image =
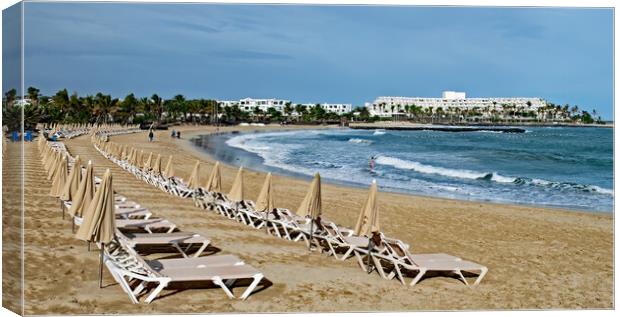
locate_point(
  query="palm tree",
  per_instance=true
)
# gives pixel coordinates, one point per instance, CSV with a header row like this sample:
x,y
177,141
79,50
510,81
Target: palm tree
x,y
33,95
10,97
61,101
181,105
88,103
574,110
129,108
158,106
288,109
257,113
105,106
12,117
300,110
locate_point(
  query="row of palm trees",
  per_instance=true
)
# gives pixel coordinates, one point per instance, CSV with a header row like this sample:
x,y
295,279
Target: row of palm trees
x,y
102,108
63,107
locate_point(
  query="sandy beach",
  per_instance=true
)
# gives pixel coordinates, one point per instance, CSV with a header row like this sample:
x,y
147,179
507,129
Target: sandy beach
x,y
537,258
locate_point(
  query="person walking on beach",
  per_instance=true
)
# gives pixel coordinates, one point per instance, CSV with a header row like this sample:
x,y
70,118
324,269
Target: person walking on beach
x,y
178,134
150,135
172,134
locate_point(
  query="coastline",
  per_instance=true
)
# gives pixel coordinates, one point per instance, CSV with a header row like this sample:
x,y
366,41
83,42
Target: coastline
x,y
537,258
236,130
405,124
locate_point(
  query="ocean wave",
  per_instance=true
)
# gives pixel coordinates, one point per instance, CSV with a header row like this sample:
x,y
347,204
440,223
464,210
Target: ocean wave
x,y
360,141
379,132
489,176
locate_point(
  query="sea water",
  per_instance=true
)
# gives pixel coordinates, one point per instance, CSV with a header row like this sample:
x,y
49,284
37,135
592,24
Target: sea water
x,y
546,166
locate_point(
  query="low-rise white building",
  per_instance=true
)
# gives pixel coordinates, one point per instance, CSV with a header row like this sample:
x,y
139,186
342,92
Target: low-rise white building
x,y
248,104
389,106
339,108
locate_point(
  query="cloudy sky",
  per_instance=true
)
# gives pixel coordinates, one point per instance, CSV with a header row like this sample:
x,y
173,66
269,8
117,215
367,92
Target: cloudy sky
x,y
320,53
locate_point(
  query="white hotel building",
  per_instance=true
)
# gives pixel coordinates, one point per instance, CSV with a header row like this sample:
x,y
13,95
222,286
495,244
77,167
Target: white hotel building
x,y
382,106
248,104
339,108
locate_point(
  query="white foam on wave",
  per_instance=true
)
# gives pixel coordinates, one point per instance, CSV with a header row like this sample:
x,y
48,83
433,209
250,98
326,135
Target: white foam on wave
x,y
273,154
602,190
502,179
495,177
379,132
360,141
428,169
489,131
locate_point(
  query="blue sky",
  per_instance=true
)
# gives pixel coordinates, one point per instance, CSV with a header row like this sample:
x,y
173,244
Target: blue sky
x,y
321,53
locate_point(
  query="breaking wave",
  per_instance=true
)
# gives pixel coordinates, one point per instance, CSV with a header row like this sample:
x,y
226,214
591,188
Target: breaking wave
x,y
488,176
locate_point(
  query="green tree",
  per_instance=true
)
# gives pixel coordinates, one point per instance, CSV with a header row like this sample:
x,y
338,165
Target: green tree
x,y
300,109
258,113
61,101
180,105
10,97
288,109
33,95
157,106
128,108
274,114
105,107
317,112
12,117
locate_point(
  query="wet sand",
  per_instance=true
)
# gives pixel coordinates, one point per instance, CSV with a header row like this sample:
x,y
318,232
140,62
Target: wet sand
x,y
537,258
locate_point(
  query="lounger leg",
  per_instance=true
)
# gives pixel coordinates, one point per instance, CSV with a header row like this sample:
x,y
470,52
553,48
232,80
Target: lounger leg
x,y
248,291
171,228
230,283
399,274
260,225
360,261
277,231
332,251
460,274
156,292
139,288
483,272
346,255
202,248
417,278
176,246
379,267
218,281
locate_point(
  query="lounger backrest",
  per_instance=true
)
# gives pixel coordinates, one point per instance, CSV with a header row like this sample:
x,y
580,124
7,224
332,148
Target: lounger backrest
x,y
332,230
145,267
398,250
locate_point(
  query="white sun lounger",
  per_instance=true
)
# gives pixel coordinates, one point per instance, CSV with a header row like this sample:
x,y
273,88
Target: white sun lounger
x,y
221,272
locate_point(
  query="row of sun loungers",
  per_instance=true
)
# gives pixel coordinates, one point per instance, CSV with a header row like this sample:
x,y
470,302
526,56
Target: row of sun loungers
x,y
139,233
390,257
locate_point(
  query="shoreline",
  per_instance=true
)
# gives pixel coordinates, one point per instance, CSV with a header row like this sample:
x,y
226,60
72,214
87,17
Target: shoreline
x,y
537,258
286,174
